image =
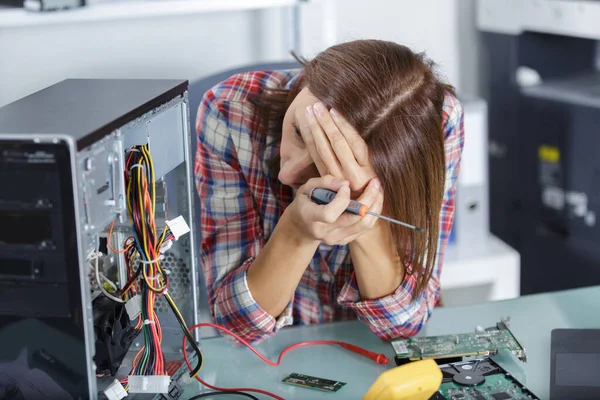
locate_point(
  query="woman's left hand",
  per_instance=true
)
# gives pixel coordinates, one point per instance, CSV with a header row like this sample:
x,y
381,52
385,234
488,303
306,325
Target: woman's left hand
x,y
337,148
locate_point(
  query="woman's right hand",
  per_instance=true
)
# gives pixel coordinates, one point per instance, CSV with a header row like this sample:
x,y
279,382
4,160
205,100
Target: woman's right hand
x,y
313,222
329,223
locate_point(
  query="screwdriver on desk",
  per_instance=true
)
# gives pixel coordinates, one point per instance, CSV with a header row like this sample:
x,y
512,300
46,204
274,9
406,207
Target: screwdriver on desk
x,y
325,196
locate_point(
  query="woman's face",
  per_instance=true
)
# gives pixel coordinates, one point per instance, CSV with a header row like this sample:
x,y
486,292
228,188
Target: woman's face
x,y
296,166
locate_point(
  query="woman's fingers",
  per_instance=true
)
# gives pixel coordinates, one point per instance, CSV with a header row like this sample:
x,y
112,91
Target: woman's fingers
x,y
308,139
332,211
371,193
372,197
353,139
335,140
321,145
326,182
328,213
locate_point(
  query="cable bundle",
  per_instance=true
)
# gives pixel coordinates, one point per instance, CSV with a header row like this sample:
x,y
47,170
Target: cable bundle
x,y
142,253
141,197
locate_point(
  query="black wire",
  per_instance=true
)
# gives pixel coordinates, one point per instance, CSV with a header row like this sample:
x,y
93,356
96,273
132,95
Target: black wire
x,y
190,339
134,277
200,396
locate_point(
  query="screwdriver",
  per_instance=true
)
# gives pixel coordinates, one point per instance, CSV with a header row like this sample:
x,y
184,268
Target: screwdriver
x,y
325,196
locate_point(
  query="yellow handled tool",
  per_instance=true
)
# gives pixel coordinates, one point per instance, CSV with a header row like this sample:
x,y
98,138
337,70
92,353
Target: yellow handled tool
x,y
417,380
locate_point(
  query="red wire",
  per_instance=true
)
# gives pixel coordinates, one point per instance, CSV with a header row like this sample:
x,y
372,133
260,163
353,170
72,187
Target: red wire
x,y
379,358
187,361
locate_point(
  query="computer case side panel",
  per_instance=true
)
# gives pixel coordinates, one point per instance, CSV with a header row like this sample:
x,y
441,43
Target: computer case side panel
x,y
44,294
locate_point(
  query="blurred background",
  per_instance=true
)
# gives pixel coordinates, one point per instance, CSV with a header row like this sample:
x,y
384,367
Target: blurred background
x,y
524,69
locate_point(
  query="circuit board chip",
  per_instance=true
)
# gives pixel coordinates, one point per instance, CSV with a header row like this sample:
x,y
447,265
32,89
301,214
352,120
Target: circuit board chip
x,y
313,382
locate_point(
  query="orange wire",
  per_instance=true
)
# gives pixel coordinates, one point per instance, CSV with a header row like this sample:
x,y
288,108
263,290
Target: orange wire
x,y
136,359
110,232
156,333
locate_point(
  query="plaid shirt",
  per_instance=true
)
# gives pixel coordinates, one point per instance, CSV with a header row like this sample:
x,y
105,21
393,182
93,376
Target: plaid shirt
x,y
242,202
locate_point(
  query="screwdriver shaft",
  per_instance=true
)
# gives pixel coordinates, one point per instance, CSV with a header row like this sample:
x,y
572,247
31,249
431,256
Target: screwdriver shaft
x,y
395,221
325,196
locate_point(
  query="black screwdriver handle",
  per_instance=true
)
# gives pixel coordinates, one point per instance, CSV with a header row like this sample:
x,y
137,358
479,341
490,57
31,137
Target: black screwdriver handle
x,y
325,196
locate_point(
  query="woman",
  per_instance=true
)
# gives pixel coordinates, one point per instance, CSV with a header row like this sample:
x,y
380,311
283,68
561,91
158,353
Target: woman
x,y
368,119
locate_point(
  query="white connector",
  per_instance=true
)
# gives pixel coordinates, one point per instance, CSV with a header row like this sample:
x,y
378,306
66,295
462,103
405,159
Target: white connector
x,y
149,383
178,227
115,391
185,379
165,246
134,307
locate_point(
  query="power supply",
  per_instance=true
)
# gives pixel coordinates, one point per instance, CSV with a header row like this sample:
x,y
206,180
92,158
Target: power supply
x,y
96,200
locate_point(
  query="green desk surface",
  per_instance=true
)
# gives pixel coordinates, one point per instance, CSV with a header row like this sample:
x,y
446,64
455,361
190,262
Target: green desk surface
x,y
532,319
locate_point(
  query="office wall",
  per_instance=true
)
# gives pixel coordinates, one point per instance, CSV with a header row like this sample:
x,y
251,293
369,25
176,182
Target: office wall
x,y
197,45
190,47
444,29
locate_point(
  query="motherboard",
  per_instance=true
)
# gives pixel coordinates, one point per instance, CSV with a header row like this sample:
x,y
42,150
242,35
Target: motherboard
x,y
482,342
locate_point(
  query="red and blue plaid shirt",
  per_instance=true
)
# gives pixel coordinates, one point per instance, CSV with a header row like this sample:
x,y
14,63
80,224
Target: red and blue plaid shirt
x,y
242,202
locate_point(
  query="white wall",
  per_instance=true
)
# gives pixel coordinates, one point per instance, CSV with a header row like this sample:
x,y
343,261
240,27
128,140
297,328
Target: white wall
x,y
471,66
193,46
444,29
185,47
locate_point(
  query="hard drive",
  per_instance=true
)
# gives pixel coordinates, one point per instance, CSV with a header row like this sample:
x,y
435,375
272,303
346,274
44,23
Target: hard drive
x,y
480,379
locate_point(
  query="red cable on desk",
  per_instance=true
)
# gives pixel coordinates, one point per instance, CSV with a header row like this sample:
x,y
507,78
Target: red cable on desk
x,y
379,358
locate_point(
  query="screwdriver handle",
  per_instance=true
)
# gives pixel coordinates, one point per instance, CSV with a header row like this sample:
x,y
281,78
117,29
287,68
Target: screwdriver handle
x,y
325,196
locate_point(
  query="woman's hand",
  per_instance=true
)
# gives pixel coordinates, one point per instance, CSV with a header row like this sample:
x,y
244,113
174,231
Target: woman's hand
x,y
330,223
337,148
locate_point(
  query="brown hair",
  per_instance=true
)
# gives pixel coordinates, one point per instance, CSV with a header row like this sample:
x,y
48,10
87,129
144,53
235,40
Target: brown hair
x,y
394,99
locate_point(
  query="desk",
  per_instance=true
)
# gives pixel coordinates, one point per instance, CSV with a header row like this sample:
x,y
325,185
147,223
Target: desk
x,y
532,319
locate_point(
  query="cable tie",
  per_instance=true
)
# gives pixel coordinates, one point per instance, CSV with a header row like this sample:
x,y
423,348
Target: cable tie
x,y
142,166
130,150
159,258
148,322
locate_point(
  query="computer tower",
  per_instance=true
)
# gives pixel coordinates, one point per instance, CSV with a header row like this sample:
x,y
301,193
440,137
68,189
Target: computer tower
x,y
63,204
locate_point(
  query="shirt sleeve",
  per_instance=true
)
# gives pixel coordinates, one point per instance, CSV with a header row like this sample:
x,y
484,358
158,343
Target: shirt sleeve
x,y
230,222
398,315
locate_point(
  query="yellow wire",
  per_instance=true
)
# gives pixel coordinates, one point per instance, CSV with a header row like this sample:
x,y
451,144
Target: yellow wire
x,y
151,166
161,239
160,279
142,215
129,209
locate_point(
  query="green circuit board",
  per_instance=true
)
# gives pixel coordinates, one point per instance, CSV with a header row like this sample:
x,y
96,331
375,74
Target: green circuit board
x,y
486,342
